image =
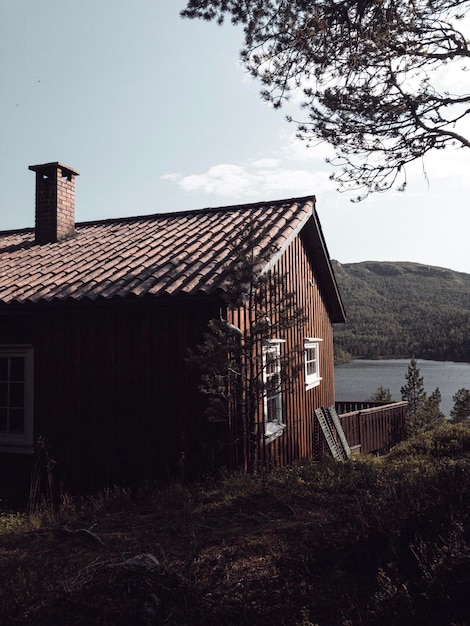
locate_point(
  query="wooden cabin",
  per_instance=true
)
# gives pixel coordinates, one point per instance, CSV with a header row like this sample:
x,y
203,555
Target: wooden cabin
x,y
96,322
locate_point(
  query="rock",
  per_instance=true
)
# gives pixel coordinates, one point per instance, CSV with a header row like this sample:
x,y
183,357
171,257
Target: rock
x,y
144,562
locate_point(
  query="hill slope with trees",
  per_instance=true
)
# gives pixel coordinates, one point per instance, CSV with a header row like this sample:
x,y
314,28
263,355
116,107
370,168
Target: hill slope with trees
x,y
396,310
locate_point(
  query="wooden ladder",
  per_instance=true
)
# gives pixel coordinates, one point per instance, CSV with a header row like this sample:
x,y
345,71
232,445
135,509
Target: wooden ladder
x,y
340,431
329,422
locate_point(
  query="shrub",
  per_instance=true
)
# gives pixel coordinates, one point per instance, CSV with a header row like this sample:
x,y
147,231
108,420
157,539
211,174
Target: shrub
x,y
449,440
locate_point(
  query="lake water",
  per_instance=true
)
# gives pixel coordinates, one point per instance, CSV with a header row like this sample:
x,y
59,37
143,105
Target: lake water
x,y
359,379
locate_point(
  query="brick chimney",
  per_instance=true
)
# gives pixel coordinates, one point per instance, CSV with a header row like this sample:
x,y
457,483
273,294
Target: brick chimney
x,y
55,202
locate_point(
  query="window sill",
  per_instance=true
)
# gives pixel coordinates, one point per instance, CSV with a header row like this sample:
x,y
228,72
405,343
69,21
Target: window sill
x,y
313,383
273,431
16,448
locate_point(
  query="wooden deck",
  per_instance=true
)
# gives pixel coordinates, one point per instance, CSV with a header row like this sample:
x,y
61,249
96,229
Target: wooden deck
x,y
374,426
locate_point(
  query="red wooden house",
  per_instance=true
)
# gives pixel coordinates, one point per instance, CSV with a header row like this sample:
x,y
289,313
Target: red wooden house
x,y
96,322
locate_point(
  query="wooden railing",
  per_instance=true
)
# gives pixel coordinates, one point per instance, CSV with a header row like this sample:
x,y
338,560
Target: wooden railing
x,y
374,426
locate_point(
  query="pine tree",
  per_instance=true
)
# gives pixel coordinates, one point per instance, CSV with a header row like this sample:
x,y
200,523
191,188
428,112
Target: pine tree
x,y
432,414
381,394
461,409
368,75
413,392
230,360
423,411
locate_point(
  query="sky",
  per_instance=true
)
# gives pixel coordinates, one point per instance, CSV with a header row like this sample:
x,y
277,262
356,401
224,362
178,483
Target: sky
x,y
158,115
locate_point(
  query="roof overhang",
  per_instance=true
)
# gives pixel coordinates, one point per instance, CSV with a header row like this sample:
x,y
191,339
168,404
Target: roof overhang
x,y
314,241
310,231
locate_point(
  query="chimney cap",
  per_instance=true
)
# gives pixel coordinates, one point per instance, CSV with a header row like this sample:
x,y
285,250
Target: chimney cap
x,y
44,167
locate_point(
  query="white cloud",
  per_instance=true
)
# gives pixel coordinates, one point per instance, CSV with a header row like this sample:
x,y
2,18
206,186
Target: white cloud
x,y
224,179
296,150
296,170
449,165
292,170
261,178
266,163
171,177
445,170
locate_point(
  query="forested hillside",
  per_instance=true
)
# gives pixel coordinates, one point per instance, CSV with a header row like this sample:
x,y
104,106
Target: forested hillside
x,y
395,310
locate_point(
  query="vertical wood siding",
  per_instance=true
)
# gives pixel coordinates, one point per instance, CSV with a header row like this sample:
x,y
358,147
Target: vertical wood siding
x,y
113,395
301,439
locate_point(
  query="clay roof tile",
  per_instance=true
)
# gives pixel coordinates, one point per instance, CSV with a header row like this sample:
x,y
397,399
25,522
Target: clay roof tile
x,y
171,253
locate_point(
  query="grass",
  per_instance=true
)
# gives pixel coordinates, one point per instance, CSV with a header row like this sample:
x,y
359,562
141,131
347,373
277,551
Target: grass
x,y
372,541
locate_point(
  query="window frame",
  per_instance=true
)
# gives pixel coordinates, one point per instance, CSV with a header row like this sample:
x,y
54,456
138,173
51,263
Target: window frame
x,y
274,427
312,379
21,442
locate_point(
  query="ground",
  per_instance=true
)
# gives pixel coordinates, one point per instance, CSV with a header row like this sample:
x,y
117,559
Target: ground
x,y
326,544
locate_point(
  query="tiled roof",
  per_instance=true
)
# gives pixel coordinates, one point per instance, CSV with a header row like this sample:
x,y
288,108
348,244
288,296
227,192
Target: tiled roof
x,y
164,254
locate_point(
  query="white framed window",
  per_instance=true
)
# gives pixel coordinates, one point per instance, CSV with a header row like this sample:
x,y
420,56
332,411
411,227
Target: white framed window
x,y
16,398
312,362
272,395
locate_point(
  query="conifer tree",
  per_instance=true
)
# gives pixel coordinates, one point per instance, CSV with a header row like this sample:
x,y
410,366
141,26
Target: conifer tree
x,y
432,414
230,359
382,394
423,411
461,409
413,392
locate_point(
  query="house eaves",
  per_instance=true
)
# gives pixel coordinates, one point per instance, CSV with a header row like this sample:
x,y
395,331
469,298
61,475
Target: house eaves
x,y
176,254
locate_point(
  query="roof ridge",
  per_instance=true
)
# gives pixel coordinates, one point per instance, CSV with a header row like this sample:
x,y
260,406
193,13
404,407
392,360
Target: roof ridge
x,y
17,231
190,212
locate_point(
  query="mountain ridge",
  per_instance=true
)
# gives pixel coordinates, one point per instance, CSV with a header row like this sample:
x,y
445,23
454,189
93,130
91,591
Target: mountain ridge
x,y
400,309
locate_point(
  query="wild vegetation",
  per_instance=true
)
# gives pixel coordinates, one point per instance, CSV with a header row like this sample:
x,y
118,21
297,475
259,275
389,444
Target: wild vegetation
x,y
370,541
396,310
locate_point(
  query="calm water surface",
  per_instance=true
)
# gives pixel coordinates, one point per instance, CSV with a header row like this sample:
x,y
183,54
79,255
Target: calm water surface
x,y
358,380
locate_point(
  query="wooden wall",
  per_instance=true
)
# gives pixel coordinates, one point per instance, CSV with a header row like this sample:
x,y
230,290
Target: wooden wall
x,y
113,395
301,439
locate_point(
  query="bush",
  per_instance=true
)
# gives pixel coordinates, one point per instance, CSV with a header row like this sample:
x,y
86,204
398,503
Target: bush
x,y
369,541
450,440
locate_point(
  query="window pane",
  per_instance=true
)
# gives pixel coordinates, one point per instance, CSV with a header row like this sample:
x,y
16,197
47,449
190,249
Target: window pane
x,y
311,363
15,414
17,395
311,368
4,368
272,404
272,385
16,421
274,409
17,368
3,420
3,394
271,363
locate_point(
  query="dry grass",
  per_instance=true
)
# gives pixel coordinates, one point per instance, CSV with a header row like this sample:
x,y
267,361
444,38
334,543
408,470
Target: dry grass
x,y
368,542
